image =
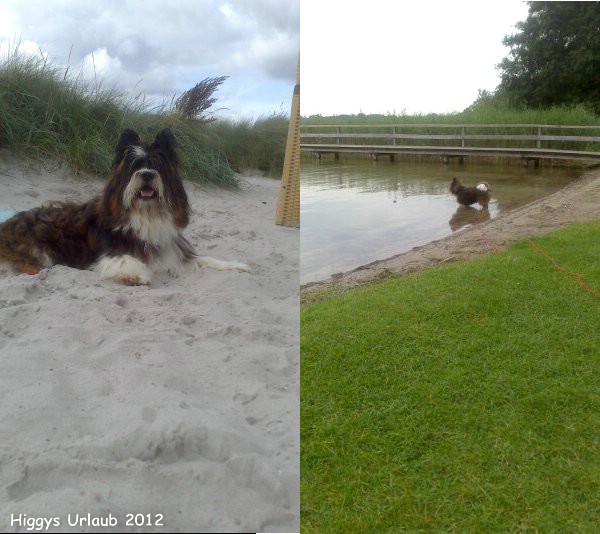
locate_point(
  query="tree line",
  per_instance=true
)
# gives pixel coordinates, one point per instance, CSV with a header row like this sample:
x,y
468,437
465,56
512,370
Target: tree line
x,y
554,57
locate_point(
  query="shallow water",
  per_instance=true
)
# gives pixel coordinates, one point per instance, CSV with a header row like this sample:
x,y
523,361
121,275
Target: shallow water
x,y
355,211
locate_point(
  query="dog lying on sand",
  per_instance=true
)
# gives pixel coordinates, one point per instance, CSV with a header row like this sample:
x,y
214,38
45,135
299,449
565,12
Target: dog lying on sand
x,y
131,230
470,195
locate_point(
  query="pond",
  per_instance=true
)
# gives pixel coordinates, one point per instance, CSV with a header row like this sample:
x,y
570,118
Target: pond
x,y
355,211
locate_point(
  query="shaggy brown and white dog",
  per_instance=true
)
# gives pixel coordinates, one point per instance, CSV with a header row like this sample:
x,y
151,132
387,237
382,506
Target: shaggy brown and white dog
x,y
470,195
129,231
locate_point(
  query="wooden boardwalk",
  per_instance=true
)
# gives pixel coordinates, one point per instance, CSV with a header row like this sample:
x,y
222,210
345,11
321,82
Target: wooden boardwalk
x,y
531,146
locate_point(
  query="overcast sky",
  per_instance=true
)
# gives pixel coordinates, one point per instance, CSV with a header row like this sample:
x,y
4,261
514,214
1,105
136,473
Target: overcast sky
x,y
381,56
161,48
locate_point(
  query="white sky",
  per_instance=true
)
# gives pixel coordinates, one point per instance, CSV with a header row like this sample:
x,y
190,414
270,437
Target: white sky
x,y
381,56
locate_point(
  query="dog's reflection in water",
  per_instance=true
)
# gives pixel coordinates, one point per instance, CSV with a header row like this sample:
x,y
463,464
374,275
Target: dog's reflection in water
x,y
467,215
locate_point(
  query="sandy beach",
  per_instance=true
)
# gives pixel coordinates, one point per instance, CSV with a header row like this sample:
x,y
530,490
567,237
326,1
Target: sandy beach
x,y
179,399
577,202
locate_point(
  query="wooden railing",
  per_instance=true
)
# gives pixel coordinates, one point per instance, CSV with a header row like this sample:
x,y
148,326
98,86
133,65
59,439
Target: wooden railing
x,y
525,140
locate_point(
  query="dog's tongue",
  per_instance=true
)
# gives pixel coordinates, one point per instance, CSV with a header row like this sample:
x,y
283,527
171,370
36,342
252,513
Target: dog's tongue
x,y
146,192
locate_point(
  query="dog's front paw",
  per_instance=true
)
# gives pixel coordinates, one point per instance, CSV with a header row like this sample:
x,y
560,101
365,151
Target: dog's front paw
x,y
134,280
125,269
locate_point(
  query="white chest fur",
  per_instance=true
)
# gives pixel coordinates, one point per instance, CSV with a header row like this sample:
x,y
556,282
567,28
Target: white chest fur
x,y
157,230
160,234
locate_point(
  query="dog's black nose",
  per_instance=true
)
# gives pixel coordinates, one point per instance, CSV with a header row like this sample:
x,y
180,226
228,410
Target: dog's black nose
x,y
146,175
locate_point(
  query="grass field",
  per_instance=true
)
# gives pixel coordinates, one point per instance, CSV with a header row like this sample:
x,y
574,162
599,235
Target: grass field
x,y
50,114
458,399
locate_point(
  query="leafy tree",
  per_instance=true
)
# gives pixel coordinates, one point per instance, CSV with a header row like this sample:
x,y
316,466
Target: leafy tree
x,y
555,57
195,102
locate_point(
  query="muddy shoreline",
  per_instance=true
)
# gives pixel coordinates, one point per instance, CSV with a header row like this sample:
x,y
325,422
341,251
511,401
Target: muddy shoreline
x,y
577,202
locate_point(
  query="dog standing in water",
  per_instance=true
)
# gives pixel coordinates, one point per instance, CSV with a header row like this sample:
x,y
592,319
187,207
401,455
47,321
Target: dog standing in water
x,y
470,195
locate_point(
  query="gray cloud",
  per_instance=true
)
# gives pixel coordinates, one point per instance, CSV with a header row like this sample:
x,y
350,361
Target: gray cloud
x,y
157,44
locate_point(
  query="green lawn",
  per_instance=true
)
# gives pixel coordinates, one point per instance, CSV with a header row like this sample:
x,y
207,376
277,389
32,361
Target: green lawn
x,y
462,398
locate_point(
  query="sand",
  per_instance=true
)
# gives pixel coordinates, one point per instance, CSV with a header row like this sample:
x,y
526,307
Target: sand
x,y
577,202
180,399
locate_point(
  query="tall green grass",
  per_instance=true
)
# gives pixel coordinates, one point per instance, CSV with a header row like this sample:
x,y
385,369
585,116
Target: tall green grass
x,y
48,113
256,144
482,111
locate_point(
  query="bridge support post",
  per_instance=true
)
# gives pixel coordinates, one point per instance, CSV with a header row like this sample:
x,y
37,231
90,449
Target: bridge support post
x,y
536,162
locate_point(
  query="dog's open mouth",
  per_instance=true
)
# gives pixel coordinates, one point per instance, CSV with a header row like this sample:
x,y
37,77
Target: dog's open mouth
x,y
147,193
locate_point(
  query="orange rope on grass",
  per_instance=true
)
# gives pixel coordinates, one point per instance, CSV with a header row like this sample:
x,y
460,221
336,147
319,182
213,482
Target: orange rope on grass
x,y
576,276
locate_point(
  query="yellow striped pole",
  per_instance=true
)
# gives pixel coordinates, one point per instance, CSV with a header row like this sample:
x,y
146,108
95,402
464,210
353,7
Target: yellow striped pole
x,y
288,202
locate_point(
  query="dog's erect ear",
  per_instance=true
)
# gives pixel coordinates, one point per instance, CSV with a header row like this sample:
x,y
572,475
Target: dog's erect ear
x,y
165,142
454,185
128,138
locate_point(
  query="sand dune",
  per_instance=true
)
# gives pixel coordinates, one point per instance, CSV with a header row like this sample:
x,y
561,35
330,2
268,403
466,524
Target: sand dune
x,y
178,399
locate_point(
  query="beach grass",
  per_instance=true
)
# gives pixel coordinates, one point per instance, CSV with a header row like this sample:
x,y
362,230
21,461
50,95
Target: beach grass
x,y
258,144
463,398
53,114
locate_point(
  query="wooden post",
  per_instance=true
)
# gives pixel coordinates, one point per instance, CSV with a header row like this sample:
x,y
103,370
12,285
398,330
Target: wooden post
x,y
288,202
539,140
394,134
462,133
338,135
